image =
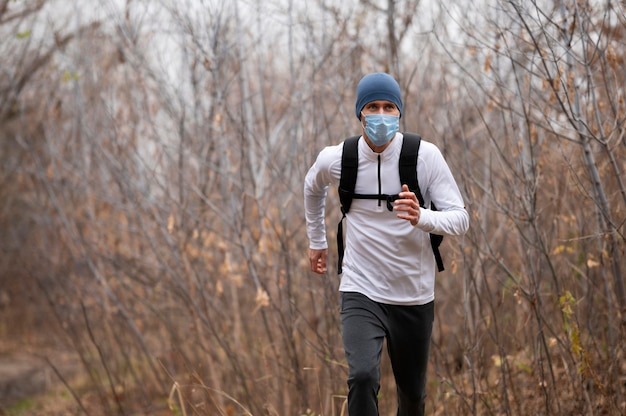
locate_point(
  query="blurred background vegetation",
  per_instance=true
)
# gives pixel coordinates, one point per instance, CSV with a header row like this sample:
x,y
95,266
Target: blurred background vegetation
x,y
152,156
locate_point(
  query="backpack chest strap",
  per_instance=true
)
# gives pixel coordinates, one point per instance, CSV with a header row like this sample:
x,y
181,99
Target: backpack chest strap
x,y
389,199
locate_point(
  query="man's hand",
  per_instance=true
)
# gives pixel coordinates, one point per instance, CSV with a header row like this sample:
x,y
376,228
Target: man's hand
x,y
317,258
407,206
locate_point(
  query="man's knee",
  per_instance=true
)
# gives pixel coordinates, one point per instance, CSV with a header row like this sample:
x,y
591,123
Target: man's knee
x,y
364,379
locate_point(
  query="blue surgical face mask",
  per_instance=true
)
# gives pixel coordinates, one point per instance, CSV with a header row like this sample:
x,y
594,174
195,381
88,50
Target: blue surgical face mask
x,y
381,128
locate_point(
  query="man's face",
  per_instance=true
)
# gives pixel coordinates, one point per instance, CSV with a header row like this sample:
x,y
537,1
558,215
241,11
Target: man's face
x,y
377,107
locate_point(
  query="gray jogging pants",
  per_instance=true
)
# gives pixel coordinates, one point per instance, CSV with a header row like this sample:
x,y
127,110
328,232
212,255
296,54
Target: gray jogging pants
x,y
364,326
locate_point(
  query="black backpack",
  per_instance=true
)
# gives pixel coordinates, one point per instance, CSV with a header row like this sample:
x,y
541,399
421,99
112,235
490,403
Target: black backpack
x,y
408,175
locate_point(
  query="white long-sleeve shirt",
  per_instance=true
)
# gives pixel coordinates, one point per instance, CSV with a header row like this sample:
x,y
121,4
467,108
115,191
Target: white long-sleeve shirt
x,y
386,258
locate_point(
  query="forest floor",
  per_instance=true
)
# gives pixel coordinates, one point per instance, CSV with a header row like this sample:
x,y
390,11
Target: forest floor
x,y
29,384
22,376
40,380
41,374
34,367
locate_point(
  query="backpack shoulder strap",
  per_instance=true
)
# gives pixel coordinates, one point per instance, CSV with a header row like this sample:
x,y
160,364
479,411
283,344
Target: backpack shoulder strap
x,y
408,175
408,164
349,169
347,183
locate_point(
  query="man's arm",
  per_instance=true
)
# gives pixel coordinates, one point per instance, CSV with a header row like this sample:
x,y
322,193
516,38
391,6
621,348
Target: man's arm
x,y
324,171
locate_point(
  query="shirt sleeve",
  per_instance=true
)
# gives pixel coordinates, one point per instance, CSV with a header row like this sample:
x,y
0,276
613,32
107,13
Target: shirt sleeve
x,y
451,217
324,172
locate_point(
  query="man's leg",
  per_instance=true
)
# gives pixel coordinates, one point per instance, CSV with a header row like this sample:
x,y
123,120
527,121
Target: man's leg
x,y
408,343
363,337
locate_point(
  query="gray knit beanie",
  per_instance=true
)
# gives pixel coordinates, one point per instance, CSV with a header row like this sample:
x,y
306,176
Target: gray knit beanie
x,y
377,86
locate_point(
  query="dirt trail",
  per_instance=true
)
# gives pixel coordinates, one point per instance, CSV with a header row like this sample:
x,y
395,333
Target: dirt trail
x,y
22,376
26,339
25,375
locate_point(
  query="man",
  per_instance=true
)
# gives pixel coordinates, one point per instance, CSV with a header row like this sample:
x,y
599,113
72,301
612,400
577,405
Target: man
x,y
388,280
